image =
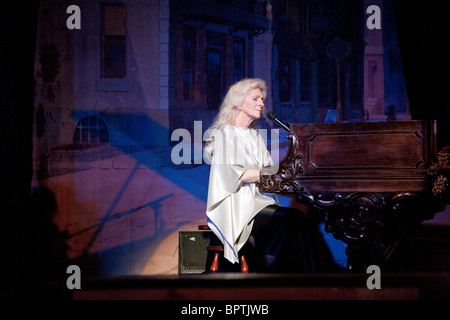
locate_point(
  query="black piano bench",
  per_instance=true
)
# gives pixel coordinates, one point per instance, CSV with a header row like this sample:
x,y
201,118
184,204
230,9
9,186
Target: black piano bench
x,y
216,250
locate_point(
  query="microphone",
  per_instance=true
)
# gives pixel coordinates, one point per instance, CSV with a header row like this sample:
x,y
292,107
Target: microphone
x,y
273,117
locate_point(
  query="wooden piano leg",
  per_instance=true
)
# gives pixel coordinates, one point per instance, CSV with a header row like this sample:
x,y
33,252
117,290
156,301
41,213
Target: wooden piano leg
x,y
244,266
215,263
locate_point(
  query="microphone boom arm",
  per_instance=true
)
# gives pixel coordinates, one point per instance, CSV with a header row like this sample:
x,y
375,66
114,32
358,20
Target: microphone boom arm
x,y
273,117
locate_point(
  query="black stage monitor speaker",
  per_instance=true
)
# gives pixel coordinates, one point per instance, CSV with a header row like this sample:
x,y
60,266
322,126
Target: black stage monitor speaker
x,y
192,253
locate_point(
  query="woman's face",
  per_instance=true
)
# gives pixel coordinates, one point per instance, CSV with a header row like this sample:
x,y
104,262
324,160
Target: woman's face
x,y
253,104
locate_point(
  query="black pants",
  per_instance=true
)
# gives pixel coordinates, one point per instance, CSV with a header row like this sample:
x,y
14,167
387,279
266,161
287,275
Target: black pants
x,y
281,242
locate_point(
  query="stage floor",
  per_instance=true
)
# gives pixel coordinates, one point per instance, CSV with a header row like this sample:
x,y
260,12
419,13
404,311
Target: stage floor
x,y
237,286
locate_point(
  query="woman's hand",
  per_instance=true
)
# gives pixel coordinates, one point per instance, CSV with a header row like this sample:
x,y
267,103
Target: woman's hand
x,y
251,176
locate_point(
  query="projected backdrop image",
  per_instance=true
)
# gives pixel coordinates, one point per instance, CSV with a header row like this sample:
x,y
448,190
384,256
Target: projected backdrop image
x,y
115,79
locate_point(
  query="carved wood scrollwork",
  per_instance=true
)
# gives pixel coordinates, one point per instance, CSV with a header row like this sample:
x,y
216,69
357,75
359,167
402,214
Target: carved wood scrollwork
x,y
282,177
373,224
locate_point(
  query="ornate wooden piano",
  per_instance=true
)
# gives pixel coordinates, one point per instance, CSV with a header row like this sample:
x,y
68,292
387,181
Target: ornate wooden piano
x,y
365,179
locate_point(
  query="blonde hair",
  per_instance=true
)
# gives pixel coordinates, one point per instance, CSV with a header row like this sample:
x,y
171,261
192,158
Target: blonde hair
x,y
229,107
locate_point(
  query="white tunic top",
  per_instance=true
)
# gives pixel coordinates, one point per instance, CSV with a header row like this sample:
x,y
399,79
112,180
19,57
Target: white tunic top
x,y
232,204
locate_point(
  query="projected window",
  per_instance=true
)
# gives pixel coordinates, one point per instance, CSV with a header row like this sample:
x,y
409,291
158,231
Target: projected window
x,y
188,62
214,69
239,58
305,81
91,130
285,80
114,41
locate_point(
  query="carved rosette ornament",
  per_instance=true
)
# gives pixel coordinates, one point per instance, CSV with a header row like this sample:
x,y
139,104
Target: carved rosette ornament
x,y
281,178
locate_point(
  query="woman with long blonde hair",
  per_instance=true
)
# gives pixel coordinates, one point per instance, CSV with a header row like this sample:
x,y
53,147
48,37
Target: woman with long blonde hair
x,y
237,211
229,108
